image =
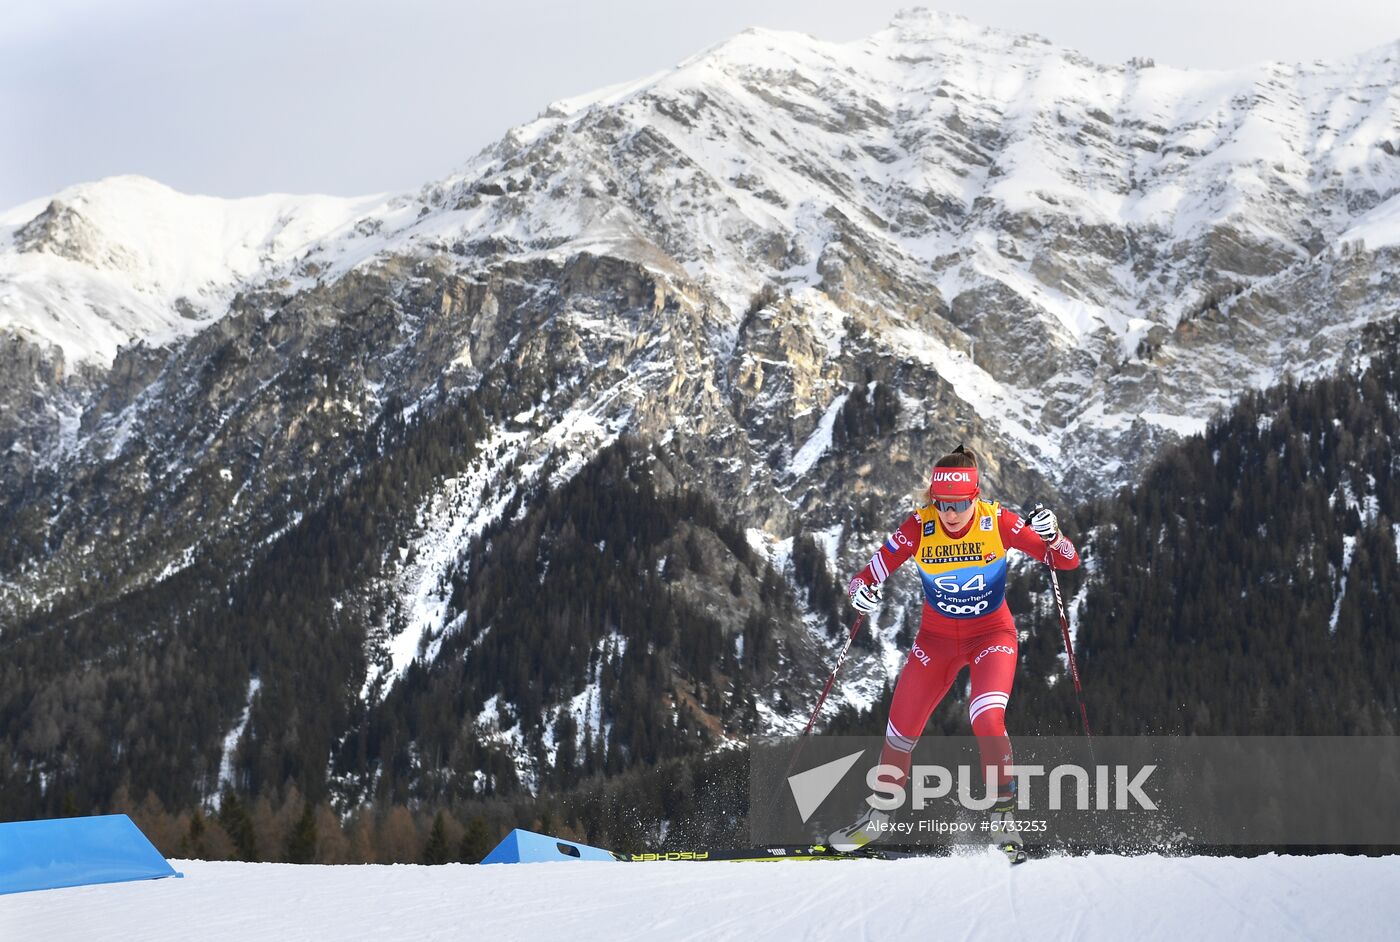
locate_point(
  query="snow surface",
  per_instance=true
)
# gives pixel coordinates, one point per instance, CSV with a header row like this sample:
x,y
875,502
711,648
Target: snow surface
x,y
231,741
1380,227
508,462
820,441
131,252
766,138
1348,549
1183,425
1218,147
973,897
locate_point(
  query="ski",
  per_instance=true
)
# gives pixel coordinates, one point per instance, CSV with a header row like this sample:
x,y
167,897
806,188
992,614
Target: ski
x,y
756,854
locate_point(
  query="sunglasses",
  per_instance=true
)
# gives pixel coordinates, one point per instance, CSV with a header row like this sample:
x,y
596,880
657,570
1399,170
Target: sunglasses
x,y
954,506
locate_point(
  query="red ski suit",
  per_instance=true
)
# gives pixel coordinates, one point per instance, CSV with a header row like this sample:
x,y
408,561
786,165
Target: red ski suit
x,y
966,621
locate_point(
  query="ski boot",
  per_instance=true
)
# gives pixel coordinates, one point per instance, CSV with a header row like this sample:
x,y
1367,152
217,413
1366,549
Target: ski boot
x,y
870,826
1005,837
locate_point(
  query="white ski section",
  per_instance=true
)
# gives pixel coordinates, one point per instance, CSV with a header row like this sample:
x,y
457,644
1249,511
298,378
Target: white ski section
x,y
121,257
969,898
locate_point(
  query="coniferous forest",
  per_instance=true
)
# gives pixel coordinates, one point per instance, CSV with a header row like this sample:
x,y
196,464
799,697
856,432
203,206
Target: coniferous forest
x,y
1243,586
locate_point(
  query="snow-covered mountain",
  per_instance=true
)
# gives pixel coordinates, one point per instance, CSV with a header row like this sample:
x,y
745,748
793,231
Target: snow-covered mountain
x,y
102,265
1092,257
800,269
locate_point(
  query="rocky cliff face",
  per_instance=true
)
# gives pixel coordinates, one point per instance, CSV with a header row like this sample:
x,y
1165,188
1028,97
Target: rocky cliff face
x,y
802,269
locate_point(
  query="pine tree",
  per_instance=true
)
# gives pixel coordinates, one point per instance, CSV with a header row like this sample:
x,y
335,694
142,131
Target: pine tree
x,y
435,851
301,843
237,823
476,841
192,845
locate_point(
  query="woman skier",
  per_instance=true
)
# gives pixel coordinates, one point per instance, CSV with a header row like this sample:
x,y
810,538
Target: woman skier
x,y
959,542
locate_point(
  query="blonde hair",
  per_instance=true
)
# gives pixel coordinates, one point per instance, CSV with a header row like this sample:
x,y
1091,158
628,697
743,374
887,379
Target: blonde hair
x,y
960,457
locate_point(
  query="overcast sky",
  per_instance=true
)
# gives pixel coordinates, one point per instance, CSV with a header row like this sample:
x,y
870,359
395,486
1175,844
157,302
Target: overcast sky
x,y
351,97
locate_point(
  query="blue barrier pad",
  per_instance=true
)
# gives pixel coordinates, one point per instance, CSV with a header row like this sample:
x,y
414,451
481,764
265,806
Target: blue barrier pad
x,y
522,846
45,855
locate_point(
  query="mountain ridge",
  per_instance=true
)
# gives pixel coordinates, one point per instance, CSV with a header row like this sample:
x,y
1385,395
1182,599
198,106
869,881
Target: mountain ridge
x,y
795,271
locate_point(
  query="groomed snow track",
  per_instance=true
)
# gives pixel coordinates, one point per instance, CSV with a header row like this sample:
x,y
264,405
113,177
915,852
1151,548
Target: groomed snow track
x,y
975,897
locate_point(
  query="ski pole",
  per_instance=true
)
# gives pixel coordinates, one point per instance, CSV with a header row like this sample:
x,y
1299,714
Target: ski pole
x,y
841,659
1069,645
802,740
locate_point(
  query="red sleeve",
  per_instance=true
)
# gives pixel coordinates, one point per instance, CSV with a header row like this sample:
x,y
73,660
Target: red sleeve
x,y
891,554
1016,534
